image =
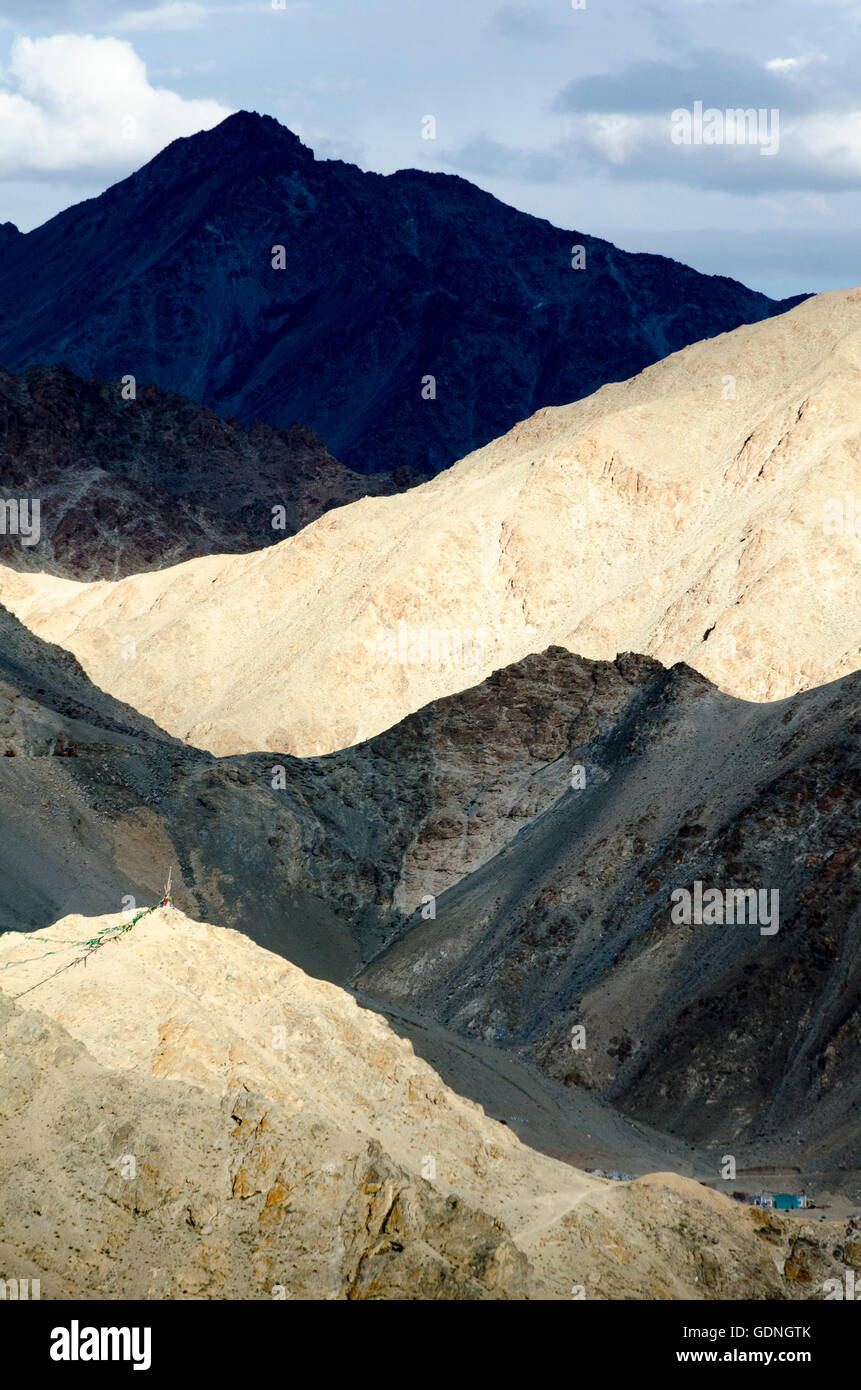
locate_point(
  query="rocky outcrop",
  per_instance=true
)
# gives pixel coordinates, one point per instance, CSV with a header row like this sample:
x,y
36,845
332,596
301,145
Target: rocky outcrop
x,y
703,1029
130,485
165,1188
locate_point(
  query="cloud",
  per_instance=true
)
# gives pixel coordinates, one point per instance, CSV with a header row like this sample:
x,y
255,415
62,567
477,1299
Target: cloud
x,y
174,16
77,105
521,22
484,157
816,155
783,261
794,64
177,15
620,123
50,11
157,16
714,78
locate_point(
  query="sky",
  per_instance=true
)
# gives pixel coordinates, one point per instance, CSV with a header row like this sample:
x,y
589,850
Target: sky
x,y
563,108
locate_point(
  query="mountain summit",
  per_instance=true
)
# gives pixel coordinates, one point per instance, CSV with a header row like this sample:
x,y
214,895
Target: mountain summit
x,y
387,282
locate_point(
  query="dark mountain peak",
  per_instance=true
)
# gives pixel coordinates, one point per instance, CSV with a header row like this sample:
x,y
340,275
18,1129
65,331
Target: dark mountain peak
x,y
241,146
247,130
8,232
249,125
409,319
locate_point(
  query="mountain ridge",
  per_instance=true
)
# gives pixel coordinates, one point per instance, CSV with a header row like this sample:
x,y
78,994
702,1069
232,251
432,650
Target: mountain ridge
x,y
210,1123
658,515
551,903
388,280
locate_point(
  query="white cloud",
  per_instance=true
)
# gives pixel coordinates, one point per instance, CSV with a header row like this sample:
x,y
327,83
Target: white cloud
x,y
617,137
176,15
74,103
789,65
818,153
180,14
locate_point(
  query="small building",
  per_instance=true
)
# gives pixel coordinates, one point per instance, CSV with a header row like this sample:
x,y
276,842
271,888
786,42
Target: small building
x,y
786,1201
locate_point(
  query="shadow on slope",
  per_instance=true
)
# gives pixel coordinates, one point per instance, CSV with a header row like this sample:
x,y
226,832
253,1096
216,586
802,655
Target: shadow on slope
x,y
552,904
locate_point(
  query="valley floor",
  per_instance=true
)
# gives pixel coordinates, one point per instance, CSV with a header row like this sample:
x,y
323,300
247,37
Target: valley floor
x,y
583,1130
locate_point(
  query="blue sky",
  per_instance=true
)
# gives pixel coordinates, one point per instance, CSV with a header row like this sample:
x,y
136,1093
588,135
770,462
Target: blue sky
x,y
560,111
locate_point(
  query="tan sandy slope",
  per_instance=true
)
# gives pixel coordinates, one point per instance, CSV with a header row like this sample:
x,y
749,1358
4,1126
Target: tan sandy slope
x,y
703,511
283,1136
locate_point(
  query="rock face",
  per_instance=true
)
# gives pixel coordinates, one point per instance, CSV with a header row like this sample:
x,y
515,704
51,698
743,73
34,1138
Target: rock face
x,y
126,486
643,782
656,516
498,900
386,281
190,1116
227,1155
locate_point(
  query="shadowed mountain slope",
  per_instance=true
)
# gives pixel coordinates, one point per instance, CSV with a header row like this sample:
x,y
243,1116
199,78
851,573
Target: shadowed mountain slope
x,y
169,276
570,923
552,904
126,486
